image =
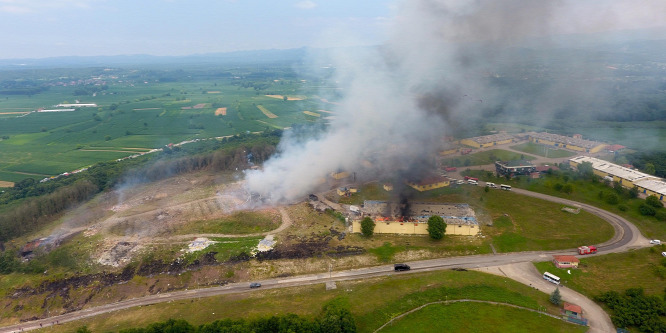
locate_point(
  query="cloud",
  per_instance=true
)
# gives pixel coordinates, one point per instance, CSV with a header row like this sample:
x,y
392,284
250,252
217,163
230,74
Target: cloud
x,y
307,4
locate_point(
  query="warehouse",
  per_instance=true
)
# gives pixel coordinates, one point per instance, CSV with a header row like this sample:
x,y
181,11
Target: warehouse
x,y
576,143
488,140
625,176
652,186
429,183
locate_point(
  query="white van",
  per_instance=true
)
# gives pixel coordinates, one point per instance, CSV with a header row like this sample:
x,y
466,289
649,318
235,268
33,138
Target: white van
x,y
472,182
491,185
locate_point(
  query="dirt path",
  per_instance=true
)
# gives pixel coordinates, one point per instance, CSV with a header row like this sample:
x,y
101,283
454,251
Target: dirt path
x,y
527,274
286,223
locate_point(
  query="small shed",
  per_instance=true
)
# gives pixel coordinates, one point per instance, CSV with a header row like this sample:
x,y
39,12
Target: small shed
x,y
565,261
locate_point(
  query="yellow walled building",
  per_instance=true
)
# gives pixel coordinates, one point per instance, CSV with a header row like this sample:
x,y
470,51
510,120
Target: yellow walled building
x,y
419,228
625,176
488,140
430,183
572,143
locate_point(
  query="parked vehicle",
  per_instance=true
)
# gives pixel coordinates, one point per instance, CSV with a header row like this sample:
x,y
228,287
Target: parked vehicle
x,y
655,242
587,249
551,278
450,169
460,182
663,254
401,267
505,187
472,182
255,285
471,178
491,185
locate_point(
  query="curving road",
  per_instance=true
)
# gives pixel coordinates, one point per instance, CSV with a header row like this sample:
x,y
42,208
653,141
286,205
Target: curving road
x,y
626,237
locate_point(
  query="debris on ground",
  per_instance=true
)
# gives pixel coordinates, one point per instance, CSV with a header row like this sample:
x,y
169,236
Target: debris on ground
x,y
266,244
199,244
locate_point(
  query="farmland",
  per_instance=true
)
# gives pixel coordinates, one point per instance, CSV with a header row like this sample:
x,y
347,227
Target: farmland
x,y
137,110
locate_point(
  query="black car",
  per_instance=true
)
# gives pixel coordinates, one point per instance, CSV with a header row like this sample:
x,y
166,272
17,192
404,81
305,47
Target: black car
x,y
401,267
255,285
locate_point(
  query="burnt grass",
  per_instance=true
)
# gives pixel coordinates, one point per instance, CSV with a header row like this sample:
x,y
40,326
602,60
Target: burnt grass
x,y
315,246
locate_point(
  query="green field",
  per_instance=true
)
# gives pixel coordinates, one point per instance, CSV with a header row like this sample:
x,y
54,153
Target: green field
x,y
614,272
478,317
373,301
542,150
485,157
238,223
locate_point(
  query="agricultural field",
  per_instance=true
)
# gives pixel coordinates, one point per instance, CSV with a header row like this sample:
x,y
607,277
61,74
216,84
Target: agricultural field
x,y
137,111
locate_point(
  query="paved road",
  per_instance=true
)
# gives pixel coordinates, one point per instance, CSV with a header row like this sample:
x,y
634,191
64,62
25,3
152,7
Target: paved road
x,y
627,237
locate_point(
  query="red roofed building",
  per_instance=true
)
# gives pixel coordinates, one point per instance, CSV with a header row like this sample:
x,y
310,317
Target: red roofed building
x,y
612,148
565,261
573,313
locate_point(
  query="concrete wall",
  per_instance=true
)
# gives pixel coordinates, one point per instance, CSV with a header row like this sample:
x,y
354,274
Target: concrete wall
x,y
411,228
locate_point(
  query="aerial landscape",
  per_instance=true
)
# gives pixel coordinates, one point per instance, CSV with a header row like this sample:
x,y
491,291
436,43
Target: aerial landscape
x,y
384,166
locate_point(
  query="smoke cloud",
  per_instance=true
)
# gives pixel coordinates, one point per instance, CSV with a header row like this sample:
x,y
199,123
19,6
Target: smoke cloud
x,y
431,77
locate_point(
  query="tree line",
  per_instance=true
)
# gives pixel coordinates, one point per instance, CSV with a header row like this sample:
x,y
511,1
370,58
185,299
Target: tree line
x,y
335,317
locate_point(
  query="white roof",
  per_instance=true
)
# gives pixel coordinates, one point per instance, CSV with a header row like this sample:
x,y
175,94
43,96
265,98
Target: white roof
x,y
654,185
613,169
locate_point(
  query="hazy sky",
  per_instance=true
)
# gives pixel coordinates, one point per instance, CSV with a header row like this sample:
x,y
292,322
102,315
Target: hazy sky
x,y
46,28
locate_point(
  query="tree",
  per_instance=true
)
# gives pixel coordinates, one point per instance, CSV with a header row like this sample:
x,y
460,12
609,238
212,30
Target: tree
x,y
367,226
436,227
586,170
555,297
649,168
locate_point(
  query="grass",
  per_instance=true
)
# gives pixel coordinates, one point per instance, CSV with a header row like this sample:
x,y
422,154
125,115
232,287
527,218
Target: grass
x,y
478,317
542,150
385,252
486,157
615,271
239,223
373,301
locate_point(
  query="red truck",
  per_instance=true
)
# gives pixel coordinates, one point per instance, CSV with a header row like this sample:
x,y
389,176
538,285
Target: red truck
x,y
465,151
471,178
450,169
587,249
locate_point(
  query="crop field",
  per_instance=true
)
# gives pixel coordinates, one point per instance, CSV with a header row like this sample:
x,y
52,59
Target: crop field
x,y
135,113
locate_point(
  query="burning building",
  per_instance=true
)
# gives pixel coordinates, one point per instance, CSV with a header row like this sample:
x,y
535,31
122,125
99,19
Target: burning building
x,y
412,218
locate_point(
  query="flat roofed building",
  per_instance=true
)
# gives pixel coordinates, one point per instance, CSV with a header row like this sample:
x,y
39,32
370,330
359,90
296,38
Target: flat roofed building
x,y
623,175
566,142
514,168
656,187
488,140
429,183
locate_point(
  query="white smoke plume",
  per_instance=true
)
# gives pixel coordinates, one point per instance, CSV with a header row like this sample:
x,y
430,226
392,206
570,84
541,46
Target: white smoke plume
x,y
401,99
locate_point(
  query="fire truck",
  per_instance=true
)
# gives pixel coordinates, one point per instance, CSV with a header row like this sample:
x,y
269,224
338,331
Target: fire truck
x,y
587,250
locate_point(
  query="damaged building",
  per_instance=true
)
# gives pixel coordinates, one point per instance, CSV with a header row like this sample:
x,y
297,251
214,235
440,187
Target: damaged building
x,y
412,218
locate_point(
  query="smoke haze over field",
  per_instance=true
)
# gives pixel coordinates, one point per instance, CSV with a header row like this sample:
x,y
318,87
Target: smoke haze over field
x,y
431,76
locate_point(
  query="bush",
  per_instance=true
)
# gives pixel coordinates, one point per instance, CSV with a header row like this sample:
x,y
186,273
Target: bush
x,y
646,210
612,199
623,208
660,215
654,201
